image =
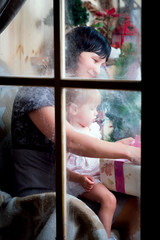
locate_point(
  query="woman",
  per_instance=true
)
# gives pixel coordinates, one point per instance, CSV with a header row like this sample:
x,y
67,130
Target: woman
x,y
33,120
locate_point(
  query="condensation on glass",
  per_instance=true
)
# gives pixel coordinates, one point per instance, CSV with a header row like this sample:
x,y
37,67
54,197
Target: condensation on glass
x,y
120,23
26,45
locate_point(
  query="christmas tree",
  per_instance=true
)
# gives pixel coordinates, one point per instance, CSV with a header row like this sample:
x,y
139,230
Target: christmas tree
x,y
123,108
76,14
128,56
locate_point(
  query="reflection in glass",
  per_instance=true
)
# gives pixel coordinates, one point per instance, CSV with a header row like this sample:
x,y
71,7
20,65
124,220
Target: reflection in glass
x,y
26,45
120,23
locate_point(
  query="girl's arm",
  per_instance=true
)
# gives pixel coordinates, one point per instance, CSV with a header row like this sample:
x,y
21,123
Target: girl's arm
x,y
86,181
72,176
82,144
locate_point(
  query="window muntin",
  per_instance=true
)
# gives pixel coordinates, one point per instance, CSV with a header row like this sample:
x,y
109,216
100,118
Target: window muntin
x,y
26,45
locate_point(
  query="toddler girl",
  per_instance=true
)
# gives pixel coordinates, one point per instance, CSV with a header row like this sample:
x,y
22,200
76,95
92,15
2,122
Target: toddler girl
x,y
83,172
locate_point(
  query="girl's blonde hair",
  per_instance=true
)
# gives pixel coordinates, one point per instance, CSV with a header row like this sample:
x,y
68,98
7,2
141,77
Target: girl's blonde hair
x,y
81,96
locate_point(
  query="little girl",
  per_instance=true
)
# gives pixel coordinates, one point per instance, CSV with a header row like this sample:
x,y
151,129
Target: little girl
x,y
83,172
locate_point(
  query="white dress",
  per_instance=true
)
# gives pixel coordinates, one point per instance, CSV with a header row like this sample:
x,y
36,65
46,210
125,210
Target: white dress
x,y
84,165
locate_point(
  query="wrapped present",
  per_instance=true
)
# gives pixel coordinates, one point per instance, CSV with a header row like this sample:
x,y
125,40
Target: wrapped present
x,y
121,175
136,142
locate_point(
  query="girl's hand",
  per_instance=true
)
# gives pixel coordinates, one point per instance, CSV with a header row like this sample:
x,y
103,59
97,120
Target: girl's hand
x,y
87,182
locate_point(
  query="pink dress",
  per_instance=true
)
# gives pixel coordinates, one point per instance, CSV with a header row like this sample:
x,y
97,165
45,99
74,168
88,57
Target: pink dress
x,y
84,165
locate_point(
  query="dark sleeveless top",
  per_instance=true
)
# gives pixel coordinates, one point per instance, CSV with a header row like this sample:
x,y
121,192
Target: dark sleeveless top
x,y
33,152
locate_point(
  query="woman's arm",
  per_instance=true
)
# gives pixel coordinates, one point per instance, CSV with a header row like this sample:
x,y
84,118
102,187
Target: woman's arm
x,y
44,119
82,144
85,145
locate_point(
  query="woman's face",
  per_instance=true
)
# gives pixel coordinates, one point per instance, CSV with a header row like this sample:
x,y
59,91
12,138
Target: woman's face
x,y
89,64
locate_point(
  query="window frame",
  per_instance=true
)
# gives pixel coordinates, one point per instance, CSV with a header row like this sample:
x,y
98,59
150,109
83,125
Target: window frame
x,y
59,83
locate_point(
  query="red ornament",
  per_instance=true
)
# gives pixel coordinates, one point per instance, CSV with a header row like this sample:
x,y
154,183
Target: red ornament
x,y
125,32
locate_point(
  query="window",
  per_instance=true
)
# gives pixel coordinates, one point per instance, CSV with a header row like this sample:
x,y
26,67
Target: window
x,y
29,53
32,60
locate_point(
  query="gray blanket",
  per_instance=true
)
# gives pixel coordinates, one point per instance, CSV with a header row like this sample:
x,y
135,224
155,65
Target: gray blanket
x,y
34,217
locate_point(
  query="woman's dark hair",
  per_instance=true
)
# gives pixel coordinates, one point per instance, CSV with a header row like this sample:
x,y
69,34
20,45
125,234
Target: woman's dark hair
x,y
84,39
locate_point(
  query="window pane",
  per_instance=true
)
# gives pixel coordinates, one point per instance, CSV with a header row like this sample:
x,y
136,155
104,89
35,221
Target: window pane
x,y
27,157
109,115
119,22
26,45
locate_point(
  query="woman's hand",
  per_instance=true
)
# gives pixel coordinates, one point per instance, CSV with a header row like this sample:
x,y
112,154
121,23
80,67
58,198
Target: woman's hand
x,y
126,141
134,154
87,182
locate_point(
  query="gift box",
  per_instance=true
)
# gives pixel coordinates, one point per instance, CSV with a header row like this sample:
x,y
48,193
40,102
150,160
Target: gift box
x,y
121,175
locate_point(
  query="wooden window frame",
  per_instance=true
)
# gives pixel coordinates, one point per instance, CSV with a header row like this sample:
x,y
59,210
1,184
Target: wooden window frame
x,y
59,83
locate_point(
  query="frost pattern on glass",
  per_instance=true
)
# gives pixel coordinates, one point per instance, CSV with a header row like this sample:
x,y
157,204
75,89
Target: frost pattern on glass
x,y
26,45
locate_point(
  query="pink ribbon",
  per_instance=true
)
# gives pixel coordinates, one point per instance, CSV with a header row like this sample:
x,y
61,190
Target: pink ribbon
x,y
118,168
119,176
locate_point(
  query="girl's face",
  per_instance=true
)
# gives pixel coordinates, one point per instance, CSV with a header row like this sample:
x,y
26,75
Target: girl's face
x,y
87,112
89,65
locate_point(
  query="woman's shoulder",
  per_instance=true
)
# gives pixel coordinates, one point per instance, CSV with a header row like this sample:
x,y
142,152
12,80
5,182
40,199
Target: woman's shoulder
x,y
31,98
35,92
